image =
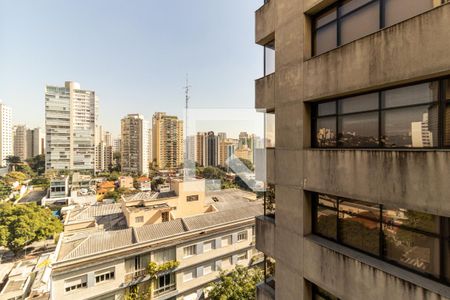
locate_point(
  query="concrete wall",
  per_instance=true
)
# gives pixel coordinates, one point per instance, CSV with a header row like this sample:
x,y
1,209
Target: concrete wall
x,y
416,180
265,235
357,279
386,58
264,292
265,23
265,92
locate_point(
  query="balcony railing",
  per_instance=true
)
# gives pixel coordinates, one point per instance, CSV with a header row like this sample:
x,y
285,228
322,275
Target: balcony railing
x,y
164,289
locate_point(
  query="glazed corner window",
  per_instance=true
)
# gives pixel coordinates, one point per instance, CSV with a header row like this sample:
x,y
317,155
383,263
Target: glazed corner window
x,y
269,58
192,198
350,20
406,117
414,240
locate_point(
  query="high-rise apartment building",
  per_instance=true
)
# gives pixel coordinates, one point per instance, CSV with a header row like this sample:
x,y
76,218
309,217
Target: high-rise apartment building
x,y
167,140
150,146
212,142
103,150
360,93
6,133
20,141
35,142
71,117
134,144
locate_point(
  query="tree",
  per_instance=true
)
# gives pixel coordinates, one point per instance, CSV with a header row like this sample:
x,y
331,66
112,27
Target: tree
x,y
37,164
5,190
157,181
16,176
240,284
12,161
21,225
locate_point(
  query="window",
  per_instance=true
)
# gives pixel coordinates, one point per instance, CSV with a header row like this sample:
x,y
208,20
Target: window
x,y
192,198
75,283
414,240
189,275
139,219
406,117
164,255
104,276
209,245
242,258
227,262
165,216
209,268
165,283
226,240
320,294
189,251
269,58
242,236
270,129
349,20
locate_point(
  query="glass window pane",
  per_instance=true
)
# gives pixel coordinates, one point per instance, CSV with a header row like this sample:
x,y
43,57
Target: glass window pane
x,y
447,125
327,108
410,127
447,260
410,95
326,132
358,103
360,130
269,58
351,5
399,10
326,222
360,208
326,17
325,39
270,129
412,219
360,23
359,232
326,200
411,249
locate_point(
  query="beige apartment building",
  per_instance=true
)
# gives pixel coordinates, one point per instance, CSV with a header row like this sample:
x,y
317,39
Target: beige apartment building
x,y
20,141
167,141
134,144
105,249
360,95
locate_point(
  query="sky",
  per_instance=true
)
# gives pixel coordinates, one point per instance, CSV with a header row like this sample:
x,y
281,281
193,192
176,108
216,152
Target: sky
x,y
134,53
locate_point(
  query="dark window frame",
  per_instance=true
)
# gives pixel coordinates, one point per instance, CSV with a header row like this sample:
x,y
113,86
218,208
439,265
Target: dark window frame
x,y
318,291
338,5
441,236
441,102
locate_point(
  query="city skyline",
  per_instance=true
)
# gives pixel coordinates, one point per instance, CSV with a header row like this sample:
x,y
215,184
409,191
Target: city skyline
x,y
121,74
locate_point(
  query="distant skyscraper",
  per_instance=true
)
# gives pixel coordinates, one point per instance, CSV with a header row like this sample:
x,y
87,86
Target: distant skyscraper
x,y
6,131
103,150
212,149
71,116
35,142
116,145
134,144
20,141
150,146
201,152
167,141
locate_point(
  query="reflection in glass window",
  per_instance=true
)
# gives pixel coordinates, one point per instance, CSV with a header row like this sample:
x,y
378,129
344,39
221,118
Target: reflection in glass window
x,y
447,125
400,10
360,23
410,95
325,38
327,108
326,132
269,58
411,219
358,103
326,222
412,249
270,130
351,5
326,17
410,127
359,130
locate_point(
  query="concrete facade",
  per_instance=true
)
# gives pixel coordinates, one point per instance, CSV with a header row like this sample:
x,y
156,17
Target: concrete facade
x,y
410,179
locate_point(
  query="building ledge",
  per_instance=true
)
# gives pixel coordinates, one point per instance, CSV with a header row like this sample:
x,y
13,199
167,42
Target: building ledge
x,y
390,269
265,235
265,292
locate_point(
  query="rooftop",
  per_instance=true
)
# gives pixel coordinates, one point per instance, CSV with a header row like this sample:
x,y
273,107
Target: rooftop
x,y
232,205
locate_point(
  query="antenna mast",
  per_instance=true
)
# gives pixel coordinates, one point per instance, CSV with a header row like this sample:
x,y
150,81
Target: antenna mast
x,y
187,97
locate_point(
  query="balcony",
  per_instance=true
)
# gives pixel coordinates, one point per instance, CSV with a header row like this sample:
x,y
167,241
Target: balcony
x,y
413,179
265,92
374,61
265,235
265,20
135,276
266,290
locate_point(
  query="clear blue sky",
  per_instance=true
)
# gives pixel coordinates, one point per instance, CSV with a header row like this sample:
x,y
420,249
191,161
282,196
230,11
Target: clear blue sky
x,y
133,53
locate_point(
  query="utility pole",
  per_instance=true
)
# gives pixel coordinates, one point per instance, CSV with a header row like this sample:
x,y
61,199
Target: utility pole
x,y
187,97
